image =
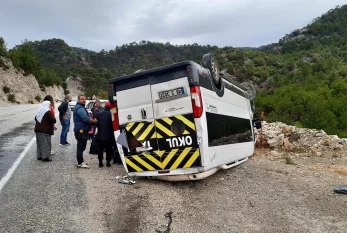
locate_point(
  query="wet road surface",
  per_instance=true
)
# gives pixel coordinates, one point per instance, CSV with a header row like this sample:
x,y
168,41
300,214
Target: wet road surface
x,y
16,130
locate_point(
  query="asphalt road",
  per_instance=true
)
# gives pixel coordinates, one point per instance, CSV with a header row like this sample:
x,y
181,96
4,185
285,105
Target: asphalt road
x,y
262,195
16,130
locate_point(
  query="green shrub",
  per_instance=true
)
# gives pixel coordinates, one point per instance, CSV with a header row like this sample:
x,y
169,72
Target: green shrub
x,y
38,98
11,98
30,102
6,89
297,124
290,161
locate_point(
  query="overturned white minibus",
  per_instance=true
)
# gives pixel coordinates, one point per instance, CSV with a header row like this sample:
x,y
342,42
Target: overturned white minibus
x,y
183,121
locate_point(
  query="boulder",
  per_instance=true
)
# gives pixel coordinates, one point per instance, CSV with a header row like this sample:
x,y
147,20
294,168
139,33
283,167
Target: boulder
x,y
276,141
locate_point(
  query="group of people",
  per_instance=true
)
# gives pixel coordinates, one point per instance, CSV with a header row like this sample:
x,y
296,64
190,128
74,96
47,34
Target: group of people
x,y
104,122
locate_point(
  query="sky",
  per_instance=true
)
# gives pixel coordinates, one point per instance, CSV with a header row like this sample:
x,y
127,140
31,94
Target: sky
x,y
105,24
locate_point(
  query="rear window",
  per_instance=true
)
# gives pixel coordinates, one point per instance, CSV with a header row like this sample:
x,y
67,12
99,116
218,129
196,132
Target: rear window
x,y
150,79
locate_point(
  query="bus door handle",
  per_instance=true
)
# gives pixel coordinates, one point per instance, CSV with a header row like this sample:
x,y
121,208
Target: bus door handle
x,y
144,113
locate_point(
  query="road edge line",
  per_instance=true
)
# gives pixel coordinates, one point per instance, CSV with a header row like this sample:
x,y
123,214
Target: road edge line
x,y
9,173
16,163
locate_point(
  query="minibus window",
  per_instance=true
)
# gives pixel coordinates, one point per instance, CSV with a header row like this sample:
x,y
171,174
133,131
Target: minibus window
x,y
224,130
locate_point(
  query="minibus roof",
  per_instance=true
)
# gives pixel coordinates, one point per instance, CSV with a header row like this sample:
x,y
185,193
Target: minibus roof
x,y
152,71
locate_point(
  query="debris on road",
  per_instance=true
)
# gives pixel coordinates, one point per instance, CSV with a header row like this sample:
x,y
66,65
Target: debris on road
x,y
342,189
169,216
126,180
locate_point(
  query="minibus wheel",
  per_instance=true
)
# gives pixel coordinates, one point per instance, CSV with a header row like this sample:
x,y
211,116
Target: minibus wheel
x,y
210,62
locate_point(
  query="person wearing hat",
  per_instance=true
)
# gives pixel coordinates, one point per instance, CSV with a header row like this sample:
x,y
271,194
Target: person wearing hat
x,y
104,136
64,117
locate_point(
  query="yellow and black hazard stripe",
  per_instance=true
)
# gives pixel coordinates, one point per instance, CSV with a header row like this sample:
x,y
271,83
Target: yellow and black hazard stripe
x,y
165,126
151,161
161,128
163,157
143,131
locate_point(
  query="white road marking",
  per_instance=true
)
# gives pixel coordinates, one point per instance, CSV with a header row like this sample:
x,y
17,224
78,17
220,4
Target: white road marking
x,y
9,173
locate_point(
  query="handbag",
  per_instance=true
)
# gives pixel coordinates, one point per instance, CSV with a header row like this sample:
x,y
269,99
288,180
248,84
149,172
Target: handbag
x,y
93,150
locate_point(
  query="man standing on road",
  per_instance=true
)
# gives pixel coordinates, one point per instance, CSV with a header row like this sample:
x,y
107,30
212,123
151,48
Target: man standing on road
x,y
83,123
64,117
105,137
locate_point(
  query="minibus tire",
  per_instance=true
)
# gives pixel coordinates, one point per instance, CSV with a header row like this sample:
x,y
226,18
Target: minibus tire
x,y
210,62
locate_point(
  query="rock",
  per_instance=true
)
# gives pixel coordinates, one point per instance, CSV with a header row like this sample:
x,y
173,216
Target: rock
x,y
322,132
301,140
319,135
276,141
325,142
75,86
294,137
286,130
286,143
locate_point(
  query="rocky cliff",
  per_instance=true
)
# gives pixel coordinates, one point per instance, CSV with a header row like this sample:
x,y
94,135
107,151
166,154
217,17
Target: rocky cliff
x,y
75,86
16,87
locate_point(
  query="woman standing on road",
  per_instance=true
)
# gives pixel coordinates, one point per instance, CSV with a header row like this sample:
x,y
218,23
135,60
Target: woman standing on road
x,y
51,107
44,129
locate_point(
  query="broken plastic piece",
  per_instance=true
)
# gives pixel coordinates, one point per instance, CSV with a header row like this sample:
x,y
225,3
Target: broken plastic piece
x,y
126,182
142,149
341,189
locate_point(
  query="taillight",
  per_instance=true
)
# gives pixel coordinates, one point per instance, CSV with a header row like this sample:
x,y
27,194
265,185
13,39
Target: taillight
x,y
196,101
163,171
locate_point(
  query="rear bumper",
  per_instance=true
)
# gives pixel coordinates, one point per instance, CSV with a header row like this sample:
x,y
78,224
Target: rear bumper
x,y
187,173
181,171
196,176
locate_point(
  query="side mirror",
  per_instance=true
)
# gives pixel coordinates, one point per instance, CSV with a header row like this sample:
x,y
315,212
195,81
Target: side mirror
x,y
257,124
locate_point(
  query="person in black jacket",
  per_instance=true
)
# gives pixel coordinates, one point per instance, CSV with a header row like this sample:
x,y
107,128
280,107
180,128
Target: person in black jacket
x,y
105,137
64,117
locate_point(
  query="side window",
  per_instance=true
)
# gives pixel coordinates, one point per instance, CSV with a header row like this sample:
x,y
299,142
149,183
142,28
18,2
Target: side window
x,y
224,130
